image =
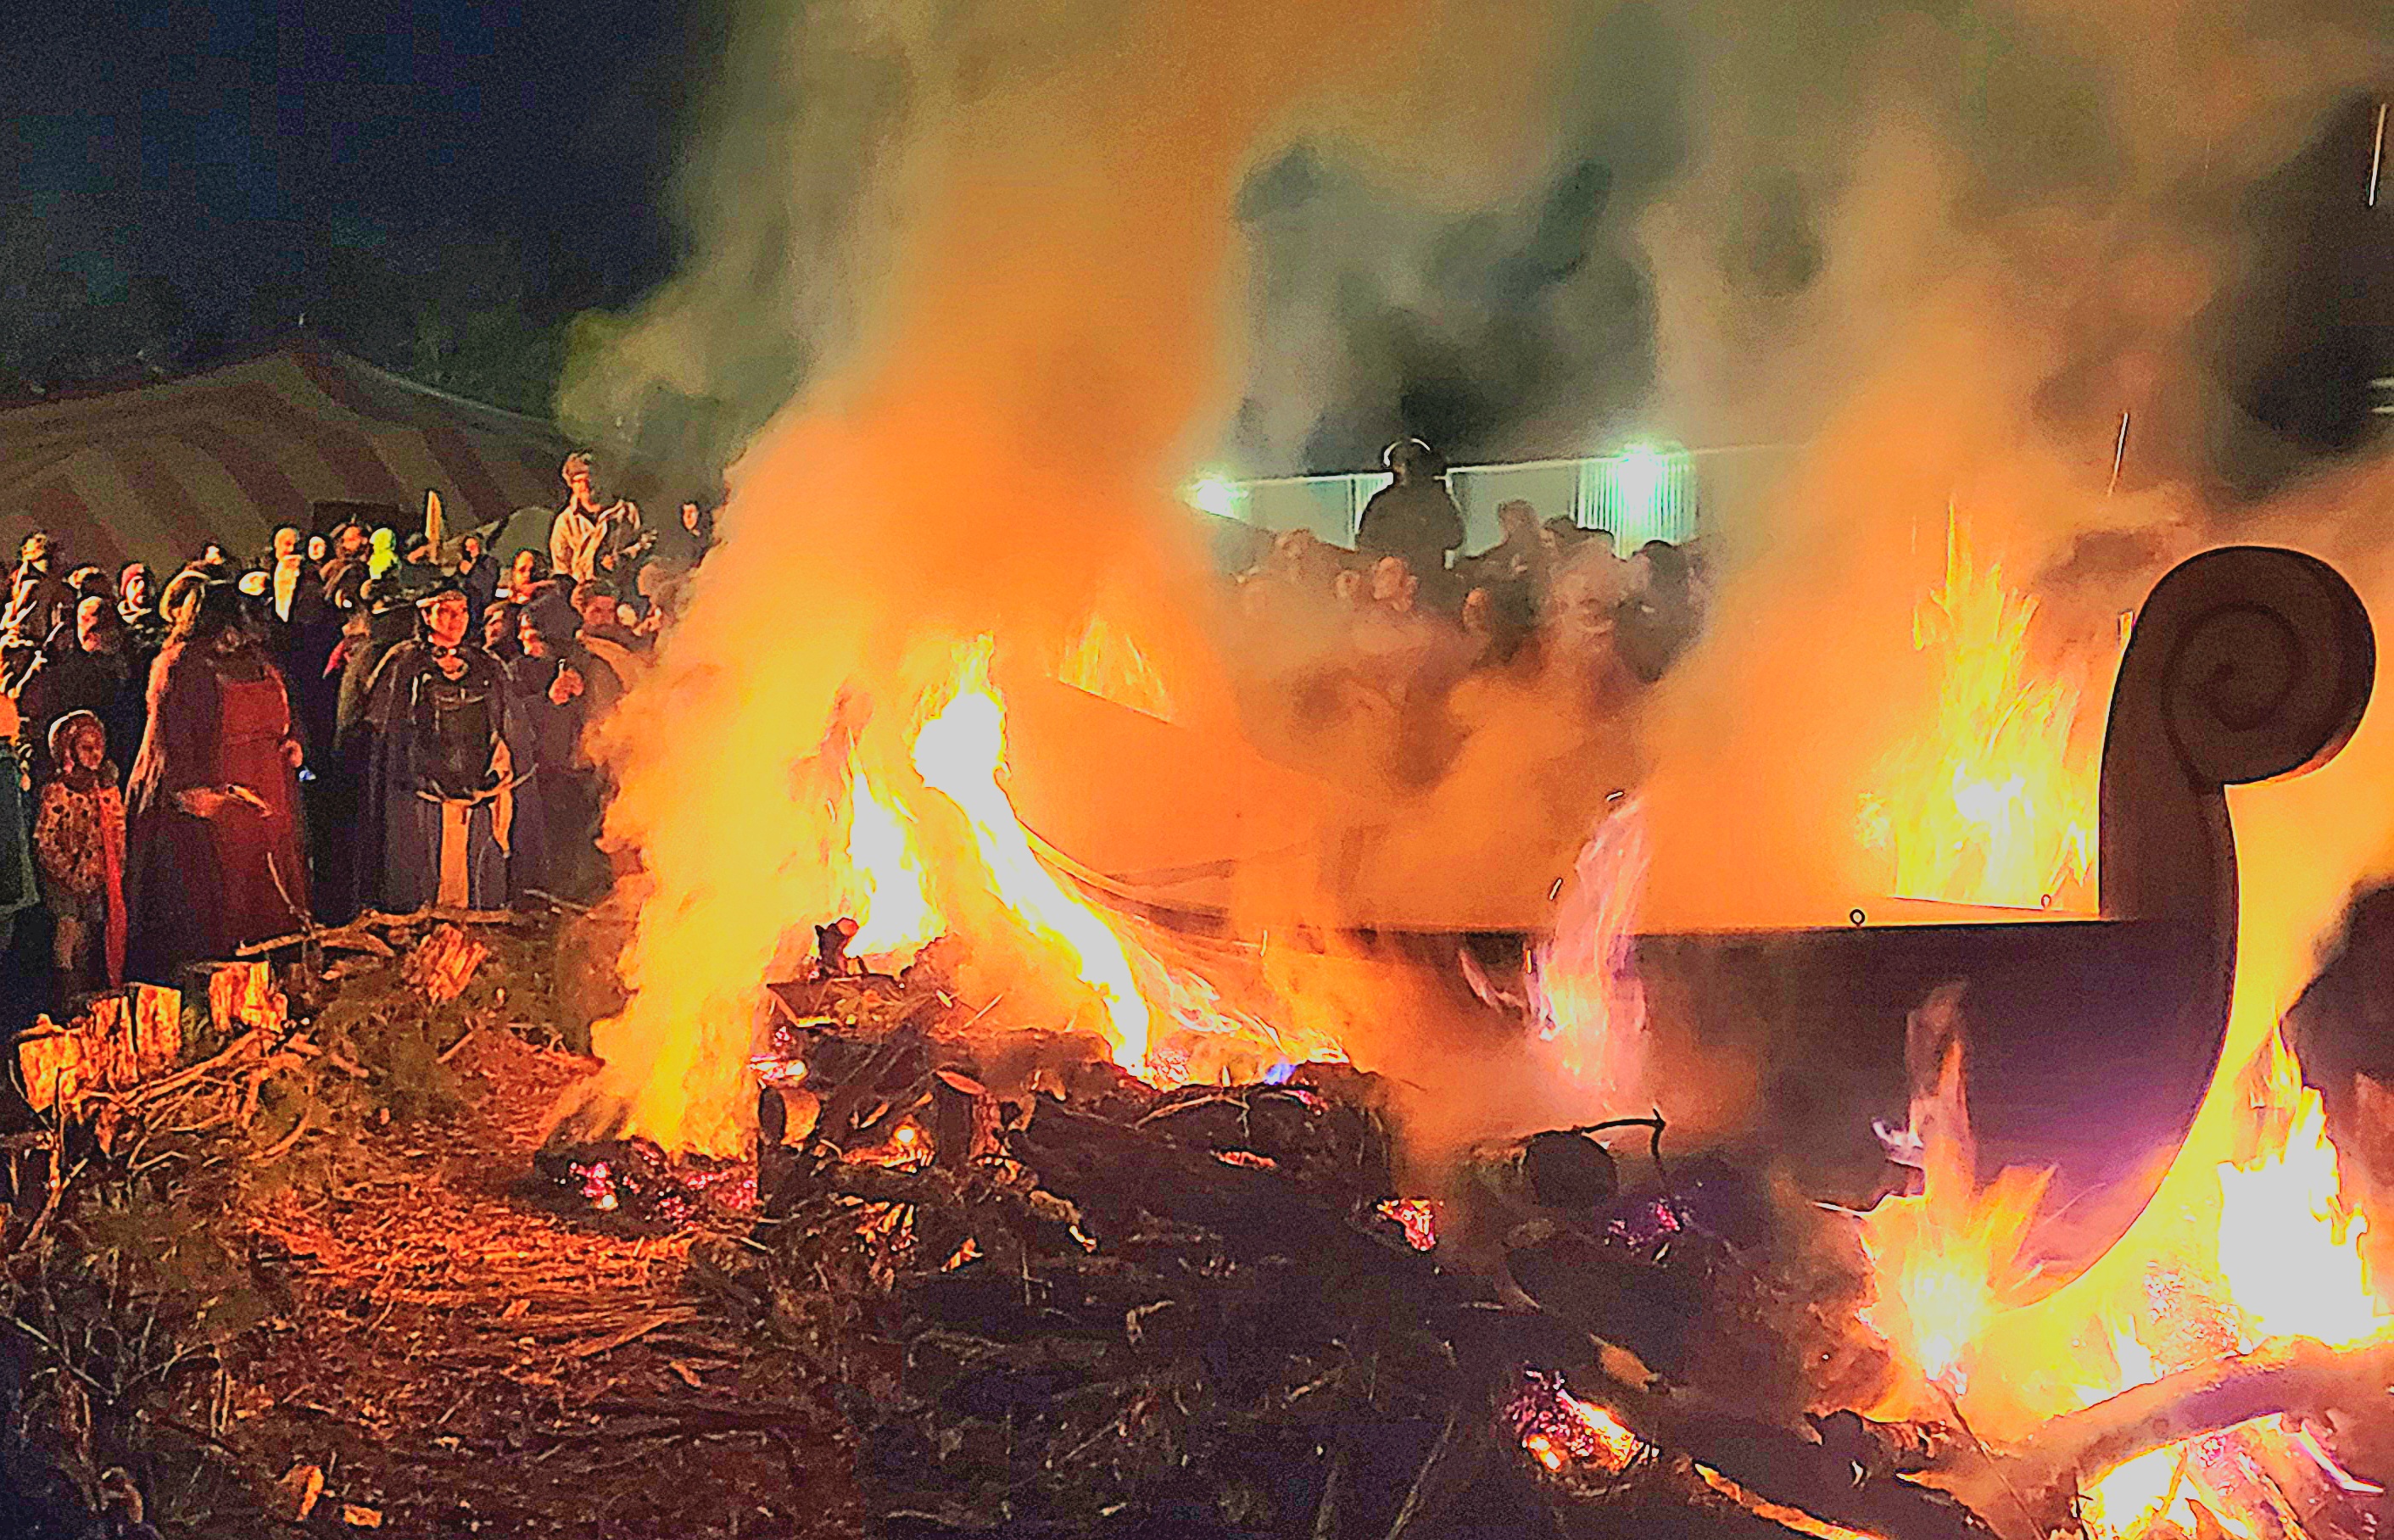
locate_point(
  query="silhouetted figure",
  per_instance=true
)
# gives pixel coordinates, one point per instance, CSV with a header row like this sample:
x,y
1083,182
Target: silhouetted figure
x,y
1414,517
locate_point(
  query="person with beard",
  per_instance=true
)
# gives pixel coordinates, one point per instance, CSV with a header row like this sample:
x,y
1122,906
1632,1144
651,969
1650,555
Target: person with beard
x,y
343,577
588,525
90,670
79,847
39,602
556,690
216,857
603,632
136,606
442,785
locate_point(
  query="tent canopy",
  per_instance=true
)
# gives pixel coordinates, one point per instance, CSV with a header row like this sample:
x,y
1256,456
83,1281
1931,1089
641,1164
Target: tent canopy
x,y
153,472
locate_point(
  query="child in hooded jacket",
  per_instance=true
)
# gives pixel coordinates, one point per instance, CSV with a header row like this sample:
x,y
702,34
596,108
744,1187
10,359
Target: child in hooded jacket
x,y
79,848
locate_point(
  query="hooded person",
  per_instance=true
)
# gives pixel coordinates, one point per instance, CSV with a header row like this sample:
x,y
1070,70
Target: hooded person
x,y
79,848
440,792
217,855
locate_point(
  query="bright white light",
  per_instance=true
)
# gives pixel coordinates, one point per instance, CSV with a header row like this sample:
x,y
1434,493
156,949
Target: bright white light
x,y
1639,473
1215,494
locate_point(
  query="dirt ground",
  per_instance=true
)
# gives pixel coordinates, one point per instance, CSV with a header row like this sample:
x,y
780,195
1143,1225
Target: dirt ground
x,y
459,1361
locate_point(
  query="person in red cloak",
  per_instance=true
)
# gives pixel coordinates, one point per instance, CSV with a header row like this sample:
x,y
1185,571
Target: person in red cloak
x,y
216,856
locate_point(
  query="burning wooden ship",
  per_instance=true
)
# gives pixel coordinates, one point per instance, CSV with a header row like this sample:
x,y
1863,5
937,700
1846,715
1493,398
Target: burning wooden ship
x,y
2091,1039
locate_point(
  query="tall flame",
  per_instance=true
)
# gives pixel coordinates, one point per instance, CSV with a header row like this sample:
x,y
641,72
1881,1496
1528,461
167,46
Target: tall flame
x,y
1993,802
894,913
2289,1252
1584,997
960,753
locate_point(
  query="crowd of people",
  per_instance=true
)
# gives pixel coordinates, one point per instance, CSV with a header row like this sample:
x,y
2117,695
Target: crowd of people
x,y
354,719
357,720
1385,636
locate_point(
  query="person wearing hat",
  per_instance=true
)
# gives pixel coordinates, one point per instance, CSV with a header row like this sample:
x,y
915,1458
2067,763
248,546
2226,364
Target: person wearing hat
x,y
1413,517
439,803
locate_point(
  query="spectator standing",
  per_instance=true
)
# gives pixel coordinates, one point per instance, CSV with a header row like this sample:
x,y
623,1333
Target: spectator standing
x,y
215,859
478,575
603,632
79,847
345,575
587,525
90,670
556,691
39,602
1414,517
19,888
526,570
443,784
136,606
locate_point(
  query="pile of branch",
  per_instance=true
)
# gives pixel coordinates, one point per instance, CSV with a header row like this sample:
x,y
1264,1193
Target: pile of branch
x,y
1065,1303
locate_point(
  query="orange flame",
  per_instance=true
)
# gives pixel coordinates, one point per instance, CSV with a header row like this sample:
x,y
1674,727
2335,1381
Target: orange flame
x,y
1106,662
894,913
1994,802
1944,1260
960,753
2289,1250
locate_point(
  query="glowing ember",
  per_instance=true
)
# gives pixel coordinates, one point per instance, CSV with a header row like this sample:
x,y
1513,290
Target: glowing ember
x,y
1996,802
960,753
1419,1218
1561,1431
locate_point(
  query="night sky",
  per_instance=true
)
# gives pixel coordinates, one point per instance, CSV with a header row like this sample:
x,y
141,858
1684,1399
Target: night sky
x,y
225,146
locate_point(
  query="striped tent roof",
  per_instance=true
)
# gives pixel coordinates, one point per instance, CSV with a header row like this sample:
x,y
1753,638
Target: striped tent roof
x,y
153,472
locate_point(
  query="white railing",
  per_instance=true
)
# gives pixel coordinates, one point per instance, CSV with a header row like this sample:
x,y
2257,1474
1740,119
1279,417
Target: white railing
x,y
1640,494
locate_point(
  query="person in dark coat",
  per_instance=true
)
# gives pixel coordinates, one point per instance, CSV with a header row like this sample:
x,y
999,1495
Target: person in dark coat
x,y
443,784
216,856
349,857
301,628
1414,517
90,668
556,690
477,574
136,606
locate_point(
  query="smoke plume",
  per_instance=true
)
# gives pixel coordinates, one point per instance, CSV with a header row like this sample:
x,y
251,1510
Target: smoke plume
x,y
986,282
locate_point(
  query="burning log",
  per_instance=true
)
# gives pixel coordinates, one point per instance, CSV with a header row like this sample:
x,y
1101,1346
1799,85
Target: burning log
x,y
2033,1483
